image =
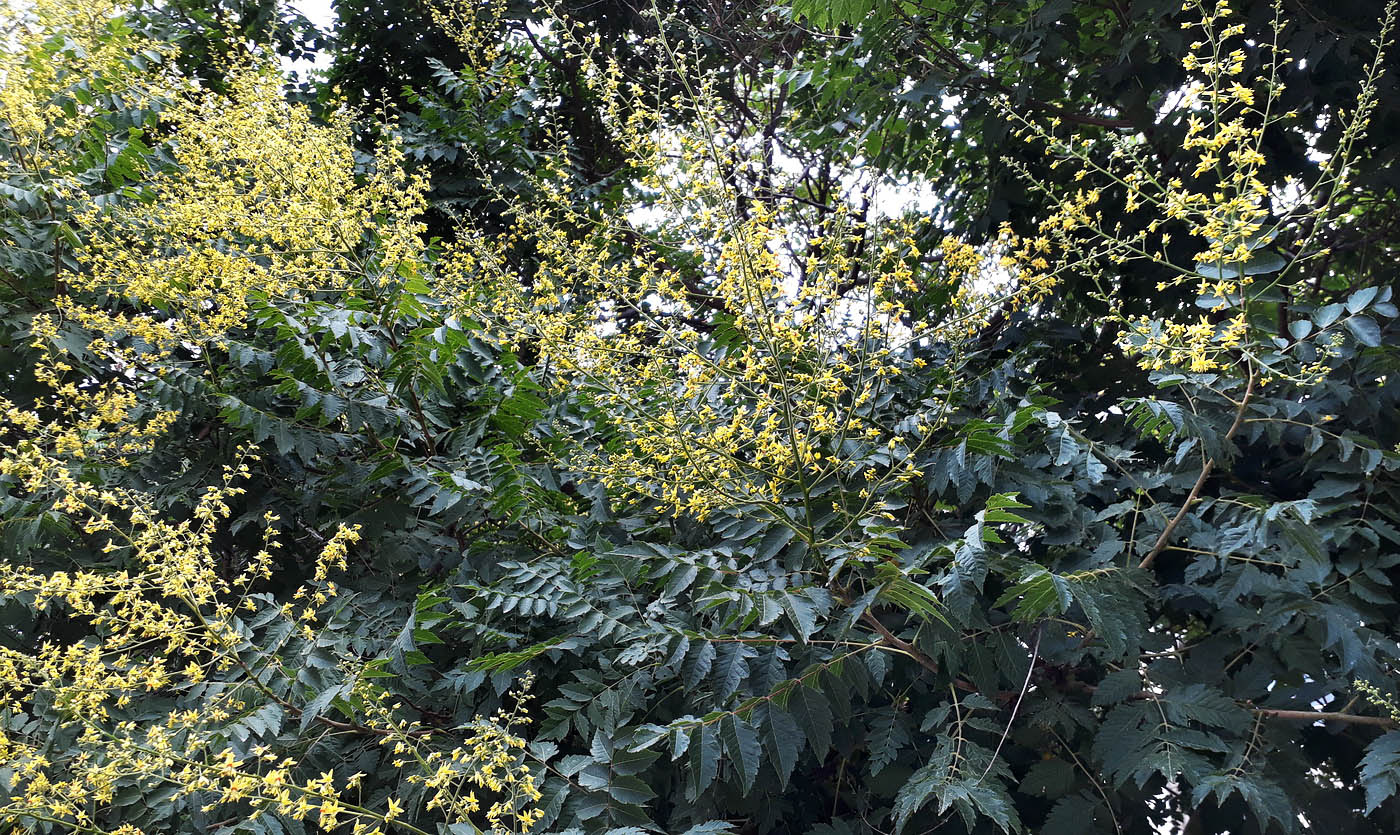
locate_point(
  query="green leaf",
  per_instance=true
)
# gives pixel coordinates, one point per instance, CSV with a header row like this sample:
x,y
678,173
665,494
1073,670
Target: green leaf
x,y
801,613
1265,798
813,713
1325,316
1075,814
631,790
1380,769
318,706
698,661
731,667
502,661
1040,592
375,669
1049,778
1118,686
971,795
888,735
899,588
1358,301
1365,329
998,515
704,757
773,542
783,740
710,828
1069,447
742,746
1002,501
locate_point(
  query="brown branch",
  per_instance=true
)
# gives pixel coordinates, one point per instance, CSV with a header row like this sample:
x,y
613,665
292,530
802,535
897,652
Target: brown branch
x,y
1265,712
549,58
895,642
1163,538
1319,716
1078,118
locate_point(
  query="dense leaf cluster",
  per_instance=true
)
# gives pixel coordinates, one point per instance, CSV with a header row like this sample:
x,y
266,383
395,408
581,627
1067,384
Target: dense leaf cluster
x,y
1114,600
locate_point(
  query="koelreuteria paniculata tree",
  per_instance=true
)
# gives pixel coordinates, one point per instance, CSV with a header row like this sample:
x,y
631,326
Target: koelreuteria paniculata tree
x,y
766,480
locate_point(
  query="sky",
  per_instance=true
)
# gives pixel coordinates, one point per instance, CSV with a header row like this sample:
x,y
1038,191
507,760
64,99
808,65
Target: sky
x,y
320,13
317,11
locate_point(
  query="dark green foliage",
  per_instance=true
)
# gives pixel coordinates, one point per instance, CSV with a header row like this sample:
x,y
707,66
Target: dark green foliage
x,y
1008,666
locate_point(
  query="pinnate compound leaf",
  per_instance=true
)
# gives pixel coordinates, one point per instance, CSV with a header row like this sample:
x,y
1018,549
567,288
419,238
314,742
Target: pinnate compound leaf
x,y
889,734
1040,592
972,796
1200,703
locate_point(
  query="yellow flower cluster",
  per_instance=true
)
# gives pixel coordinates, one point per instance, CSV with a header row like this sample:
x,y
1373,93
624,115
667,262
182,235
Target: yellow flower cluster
x,y
97,422
490,759
170,620
163,624
1026,258
472,25
1223,202
735,360
41,98
1197,346
962,260
264,201
730,384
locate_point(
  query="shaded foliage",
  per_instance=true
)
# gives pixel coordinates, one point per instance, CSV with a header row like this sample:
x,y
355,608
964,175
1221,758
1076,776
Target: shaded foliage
x,y
1114,598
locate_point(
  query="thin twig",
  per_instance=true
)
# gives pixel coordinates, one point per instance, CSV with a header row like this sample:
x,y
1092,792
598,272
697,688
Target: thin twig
x,y
1035,656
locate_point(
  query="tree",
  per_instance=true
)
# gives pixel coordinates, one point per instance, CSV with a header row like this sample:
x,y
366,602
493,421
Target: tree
x,y
699,493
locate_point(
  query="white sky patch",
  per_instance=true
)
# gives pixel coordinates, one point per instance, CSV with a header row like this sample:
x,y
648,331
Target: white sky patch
x,y
320,13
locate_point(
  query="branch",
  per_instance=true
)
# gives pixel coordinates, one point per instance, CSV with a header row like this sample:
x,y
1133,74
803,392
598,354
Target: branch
x,y
893,641
1162,539
1319,716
